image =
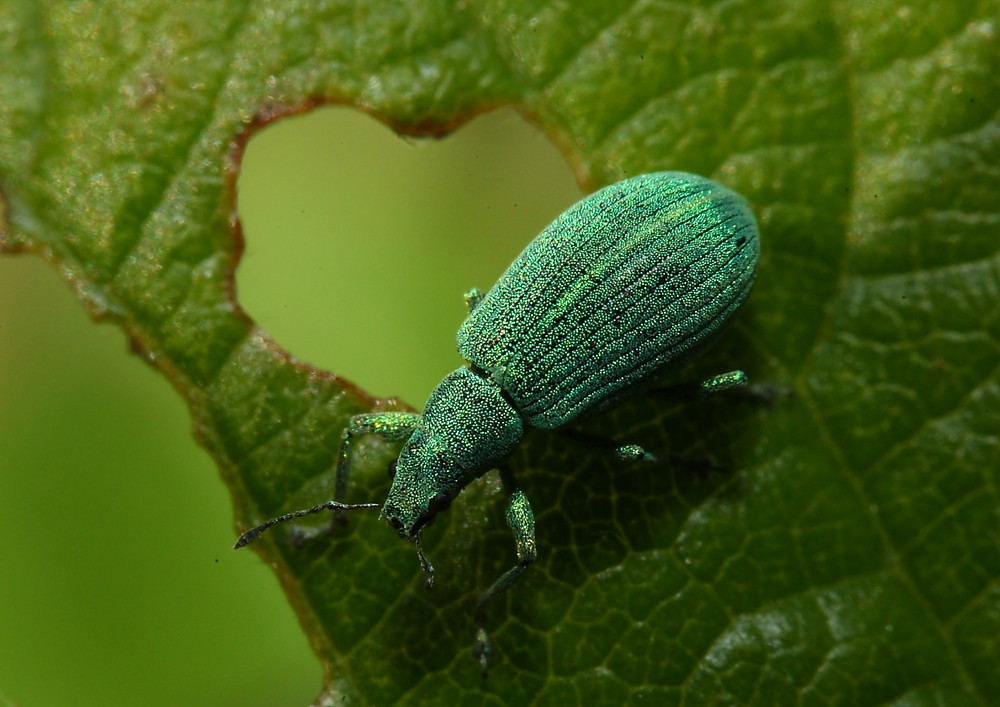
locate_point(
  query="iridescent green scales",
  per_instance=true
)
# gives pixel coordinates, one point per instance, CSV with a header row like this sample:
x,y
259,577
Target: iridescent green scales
x,y
628,282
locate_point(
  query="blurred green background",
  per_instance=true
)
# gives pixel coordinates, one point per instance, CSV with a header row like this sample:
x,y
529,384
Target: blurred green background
x,y
119,585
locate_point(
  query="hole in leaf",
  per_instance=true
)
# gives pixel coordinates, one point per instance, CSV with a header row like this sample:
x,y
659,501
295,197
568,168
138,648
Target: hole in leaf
x,y
360,243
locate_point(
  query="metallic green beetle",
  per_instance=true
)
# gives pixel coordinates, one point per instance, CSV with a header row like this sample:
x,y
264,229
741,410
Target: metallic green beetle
x,y
628,282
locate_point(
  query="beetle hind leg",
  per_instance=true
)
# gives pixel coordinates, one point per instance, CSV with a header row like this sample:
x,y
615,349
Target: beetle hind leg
x,y
605,445
703,389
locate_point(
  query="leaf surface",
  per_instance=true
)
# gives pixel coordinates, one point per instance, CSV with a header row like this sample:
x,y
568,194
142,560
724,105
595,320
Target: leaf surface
x,y
847,551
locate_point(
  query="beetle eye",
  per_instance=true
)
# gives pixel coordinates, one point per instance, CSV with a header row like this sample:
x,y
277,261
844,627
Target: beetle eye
x,y
392,470
439,503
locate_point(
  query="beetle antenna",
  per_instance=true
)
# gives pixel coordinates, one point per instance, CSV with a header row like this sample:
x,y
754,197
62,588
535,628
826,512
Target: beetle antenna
x,y
251,535
424,562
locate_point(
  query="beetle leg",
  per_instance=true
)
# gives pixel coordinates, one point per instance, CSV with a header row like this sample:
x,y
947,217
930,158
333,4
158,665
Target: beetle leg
x,y
522,524
721,382
473,297
390,426
704,389
633,453
605,445
521,520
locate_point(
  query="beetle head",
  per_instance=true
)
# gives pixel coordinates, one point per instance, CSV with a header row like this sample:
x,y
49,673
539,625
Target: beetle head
x,y
425,480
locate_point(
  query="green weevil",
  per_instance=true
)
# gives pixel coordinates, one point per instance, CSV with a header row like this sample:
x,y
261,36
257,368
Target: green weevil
x,y
626,283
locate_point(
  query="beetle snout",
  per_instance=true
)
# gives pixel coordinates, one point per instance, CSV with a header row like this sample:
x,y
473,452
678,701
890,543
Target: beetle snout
x,y
391,515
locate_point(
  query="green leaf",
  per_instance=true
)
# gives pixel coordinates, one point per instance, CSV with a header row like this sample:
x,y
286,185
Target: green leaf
x,y
848,550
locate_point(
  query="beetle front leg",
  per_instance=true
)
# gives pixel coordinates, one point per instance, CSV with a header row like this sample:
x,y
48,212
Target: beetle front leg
x,y
521,520
390,426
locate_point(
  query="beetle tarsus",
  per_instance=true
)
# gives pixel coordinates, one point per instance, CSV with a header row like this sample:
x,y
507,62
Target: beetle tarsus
x,y
483,651
424,562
